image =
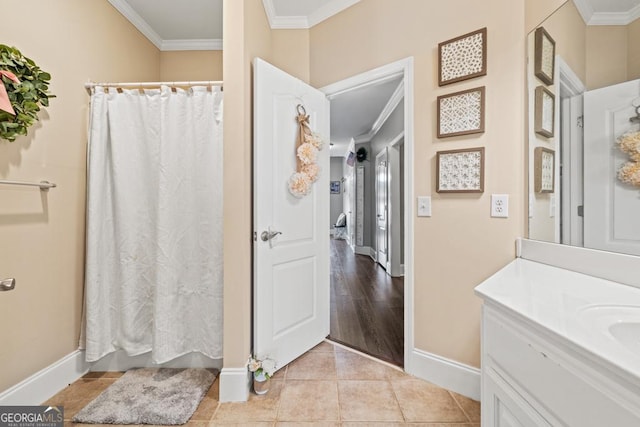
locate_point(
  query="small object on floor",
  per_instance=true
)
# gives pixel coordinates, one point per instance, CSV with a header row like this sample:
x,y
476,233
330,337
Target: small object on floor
x,y
159,396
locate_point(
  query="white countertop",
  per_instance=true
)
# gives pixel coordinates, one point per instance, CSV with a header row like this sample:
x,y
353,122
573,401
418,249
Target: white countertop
x,y
572,305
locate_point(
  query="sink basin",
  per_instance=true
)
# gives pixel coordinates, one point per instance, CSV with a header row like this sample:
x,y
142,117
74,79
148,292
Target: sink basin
x,y
627,334
617,323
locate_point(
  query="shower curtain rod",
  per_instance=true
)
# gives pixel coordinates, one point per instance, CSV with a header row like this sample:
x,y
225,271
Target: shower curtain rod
x,y
91,85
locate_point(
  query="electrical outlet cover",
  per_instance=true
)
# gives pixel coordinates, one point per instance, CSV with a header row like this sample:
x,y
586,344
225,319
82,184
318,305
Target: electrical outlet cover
x,y
500,205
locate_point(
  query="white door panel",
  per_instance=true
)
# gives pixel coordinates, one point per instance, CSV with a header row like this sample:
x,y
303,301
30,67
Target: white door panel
x,y
610,206
291,270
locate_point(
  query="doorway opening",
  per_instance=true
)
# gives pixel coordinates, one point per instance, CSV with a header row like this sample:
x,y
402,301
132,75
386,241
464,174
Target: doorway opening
x,y
371,284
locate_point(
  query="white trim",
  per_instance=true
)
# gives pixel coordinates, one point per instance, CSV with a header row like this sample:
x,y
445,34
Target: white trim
x,y
569,80
387,72
289,22
613,266
391,105
45,383
284,22
235,384
193,44
378,76
447,373
590,17
120,361
396,139
585,9
328,10
128,12
363,250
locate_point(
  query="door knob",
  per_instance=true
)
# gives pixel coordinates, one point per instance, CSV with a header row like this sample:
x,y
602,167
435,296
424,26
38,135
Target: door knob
x,y
268,235
7,284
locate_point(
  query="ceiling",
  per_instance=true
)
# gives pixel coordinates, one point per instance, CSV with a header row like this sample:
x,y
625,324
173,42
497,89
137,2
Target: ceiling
x,y
197,24
360,112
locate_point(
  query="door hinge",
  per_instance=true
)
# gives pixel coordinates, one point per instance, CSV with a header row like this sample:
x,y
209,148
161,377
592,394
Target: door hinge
x,y
580,122
581,210
255,236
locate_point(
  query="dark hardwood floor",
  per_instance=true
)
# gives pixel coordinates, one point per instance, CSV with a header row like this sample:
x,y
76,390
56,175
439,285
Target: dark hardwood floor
x,y
367,305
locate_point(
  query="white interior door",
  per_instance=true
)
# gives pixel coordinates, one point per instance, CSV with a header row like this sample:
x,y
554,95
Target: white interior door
x,y
291,269
382,204
610,206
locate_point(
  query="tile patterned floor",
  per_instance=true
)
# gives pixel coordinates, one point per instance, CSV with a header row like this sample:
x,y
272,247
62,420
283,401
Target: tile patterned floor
x,y
328,386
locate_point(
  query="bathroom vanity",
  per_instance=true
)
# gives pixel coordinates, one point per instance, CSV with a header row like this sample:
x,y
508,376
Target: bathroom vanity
x,y
559,348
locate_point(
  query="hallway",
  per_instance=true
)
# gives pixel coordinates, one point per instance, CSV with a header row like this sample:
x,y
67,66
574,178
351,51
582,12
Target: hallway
x,y
367,305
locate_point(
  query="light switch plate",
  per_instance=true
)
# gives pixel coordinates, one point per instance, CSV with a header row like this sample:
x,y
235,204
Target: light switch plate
x,y
424,206
500,205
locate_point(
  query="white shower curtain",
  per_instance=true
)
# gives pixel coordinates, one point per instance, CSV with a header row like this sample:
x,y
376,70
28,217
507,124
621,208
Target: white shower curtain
x,y
154,223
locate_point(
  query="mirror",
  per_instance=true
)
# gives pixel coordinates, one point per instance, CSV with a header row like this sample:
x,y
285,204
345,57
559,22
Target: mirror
x,y
583,77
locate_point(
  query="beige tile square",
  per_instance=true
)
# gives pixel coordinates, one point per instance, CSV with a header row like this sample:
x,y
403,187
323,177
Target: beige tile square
x,y
96,375
421,401
352,366
323,347
208,404
257,408
280,373
470,407
243,424
310,424
309,401
312,366
78,395
368,401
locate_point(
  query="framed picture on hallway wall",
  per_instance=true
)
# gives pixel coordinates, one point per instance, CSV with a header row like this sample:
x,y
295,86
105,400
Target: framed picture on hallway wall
x,y
545,55
461,113
463,57
335,187
460,171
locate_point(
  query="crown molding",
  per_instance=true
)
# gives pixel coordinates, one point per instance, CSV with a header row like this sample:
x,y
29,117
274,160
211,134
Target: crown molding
x,y
328,10
137,21
393,102
590,17
585,9
282,22
194,44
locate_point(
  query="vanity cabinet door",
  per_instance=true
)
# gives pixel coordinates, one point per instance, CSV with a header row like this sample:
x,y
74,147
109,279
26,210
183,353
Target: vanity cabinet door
x,y
502,406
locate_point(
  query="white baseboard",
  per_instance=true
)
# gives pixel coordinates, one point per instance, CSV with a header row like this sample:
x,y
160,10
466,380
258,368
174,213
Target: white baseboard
x,y
47,382
119,361
446,373
362,250
235,384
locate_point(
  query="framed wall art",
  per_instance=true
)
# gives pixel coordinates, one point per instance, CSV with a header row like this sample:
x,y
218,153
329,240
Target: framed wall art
x,y
461,113
544,115
463,57
460,171
335,187
544,170
545,54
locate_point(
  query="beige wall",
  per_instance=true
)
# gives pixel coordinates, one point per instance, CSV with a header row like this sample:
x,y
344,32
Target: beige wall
x,y
190,65
633,53
460,245
43,233
537,11
606,55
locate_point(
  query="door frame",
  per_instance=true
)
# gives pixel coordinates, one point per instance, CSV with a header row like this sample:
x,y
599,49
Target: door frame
x,y
403,67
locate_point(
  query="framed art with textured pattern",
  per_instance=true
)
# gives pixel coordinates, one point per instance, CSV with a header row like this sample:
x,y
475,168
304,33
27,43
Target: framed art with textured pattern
x,y
544,167
460,171
545,54
463,57
544,114
461,113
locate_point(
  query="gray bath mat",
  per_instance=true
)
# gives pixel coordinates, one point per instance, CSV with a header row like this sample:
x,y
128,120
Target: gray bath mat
x,y
159,396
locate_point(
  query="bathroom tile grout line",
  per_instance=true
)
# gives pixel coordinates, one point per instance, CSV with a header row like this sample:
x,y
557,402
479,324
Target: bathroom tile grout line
x,y
459,406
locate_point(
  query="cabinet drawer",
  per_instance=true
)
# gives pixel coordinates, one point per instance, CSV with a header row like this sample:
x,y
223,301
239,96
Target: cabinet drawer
x,y
535,369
